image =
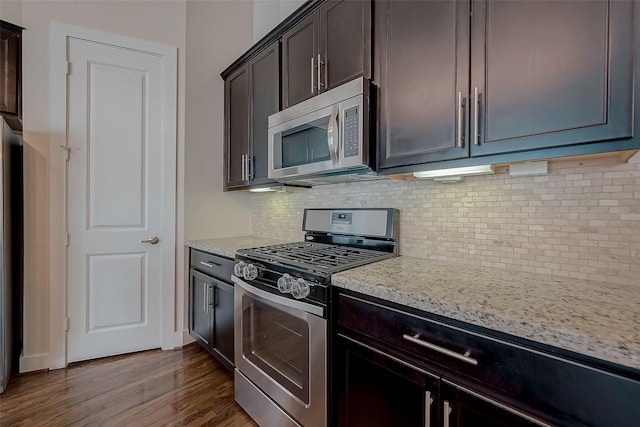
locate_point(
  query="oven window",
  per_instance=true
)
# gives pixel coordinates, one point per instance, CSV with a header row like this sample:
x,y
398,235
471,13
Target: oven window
x,y
277,343
306,144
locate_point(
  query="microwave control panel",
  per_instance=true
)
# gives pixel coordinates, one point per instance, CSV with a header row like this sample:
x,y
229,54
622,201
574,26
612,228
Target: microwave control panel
x,y
351,132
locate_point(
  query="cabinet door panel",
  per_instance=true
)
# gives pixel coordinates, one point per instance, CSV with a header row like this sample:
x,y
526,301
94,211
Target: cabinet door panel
x,y
237,126
345,42
200,319
424,66
264,73
551,73
375,390
223,320
299,46
466,410
9,71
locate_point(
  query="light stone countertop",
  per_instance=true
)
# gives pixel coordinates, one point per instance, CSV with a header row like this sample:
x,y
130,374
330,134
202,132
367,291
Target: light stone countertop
x,y
597,319
228,246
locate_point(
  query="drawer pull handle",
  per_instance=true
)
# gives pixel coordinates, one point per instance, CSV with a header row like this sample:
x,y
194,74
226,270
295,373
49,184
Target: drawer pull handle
x,y
210,264
464,357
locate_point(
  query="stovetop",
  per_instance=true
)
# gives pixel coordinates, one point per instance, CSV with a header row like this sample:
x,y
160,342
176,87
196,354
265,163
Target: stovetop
x,y
313,256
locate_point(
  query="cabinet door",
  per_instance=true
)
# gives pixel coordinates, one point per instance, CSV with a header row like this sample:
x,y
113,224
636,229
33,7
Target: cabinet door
x,y
550,73
300,60
223,320
374,389
264,74
236,101
9,70
462,408
424,50
200,306
345,41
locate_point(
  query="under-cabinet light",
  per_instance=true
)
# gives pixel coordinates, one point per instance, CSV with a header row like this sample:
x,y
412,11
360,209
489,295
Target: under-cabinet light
x,y
278,188
467,170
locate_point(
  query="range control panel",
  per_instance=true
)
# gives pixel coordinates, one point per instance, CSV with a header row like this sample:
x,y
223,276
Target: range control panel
x,y
341,218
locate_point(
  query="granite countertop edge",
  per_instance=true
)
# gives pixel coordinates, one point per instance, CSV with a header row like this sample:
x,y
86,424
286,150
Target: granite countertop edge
x,y
611,351
375,286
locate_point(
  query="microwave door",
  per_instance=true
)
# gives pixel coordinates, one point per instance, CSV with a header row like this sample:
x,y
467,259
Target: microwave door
x,y
303,146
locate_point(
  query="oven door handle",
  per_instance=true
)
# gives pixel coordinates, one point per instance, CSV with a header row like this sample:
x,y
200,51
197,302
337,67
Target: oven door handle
x,y
286,302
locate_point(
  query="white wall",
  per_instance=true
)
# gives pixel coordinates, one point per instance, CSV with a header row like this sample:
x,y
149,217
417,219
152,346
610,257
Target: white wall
x,y
269,13
161,22
217,33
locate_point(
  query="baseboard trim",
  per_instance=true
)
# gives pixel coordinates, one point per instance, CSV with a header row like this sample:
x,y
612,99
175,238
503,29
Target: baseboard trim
x,y
34,362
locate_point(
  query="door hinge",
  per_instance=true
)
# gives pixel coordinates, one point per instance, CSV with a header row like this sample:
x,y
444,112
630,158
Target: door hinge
x,y
67,324
66,150
67,237
68,67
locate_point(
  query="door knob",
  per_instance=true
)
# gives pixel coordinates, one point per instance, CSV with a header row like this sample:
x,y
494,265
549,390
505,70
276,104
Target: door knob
x,y
152,240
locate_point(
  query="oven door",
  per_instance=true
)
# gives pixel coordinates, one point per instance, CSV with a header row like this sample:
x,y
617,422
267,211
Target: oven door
x,y
281,357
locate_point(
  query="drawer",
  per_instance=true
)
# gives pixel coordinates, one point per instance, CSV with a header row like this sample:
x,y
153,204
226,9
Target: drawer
x,y
214,265
537,382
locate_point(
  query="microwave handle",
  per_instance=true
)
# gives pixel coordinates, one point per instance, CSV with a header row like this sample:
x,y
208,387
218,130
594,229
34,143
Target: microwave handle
x,y
333,136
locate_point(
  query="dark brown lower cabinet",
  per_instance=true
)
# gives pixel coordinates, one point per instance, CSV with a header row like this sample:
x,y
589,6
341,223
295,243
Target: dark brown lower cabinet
x,y
379,390
398,366
211,305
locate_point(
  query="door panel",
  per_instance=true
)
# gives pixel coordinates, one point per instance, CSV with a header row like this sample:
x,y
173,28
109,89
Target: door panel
x,y
264,72
116,291
237,127
223,319
299,47
424,66
115,199
551,73
115,104
200,321
345,43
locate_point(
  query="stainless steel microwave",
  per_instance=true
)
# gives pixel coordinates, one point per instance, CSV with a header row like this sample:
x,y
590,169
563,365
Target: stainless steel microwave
x,y
325,138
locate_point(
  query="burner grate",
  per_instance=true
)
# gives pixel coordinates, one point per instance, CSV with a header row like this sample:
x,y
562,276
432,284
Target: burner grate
x,y
316,256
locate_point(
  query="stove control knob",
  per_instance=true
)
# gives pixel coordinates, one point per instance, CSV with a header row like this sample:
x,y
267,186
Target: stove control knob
x,y
251,272
284,283
239,268
300,289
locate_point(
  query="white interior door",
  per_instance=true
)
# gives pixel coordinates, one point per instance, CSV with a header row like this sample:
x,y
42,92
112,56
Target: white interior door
x,y
115,131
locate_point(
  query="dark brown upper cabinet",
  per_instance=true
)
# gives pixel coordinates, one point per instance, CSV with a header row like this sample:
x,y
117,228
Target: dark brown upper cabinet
x,y
462,79
329,47
10,72
252,94
424,81
550,73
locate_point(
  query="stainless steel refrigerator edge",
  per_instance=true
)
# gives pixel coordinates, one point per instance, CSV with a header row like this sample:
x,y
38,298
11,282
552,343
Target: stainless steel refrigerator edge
x,y
11,250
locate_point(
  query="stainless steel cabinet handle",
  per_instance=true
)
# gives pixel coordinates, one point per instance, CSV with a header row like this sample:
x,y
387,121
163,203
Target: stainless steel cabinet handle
x,y
416,340
205,297
313,89
333,136
152,240
460,141
243,165
210,264
428,400
249,167
320,63
447,413
476,114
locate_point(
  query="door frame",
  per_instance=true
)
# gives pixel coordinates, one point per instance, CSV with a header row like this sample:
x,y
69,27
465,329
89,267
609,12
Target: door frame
x,y
58,199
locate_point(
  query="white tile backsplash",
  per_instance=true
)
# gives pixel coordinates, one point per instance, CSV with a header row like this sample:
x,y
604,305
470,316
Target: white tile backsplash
x,y
579,221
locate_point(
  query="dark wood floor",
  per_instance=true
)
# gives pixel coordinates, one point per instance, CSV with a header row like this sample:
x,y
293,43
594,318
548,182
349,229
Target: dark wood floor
x,y
185,387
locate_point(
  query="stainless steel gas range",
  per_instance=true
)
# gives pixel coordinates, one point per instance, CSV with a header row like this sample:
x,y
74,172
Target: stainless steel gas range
x,y
281,311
